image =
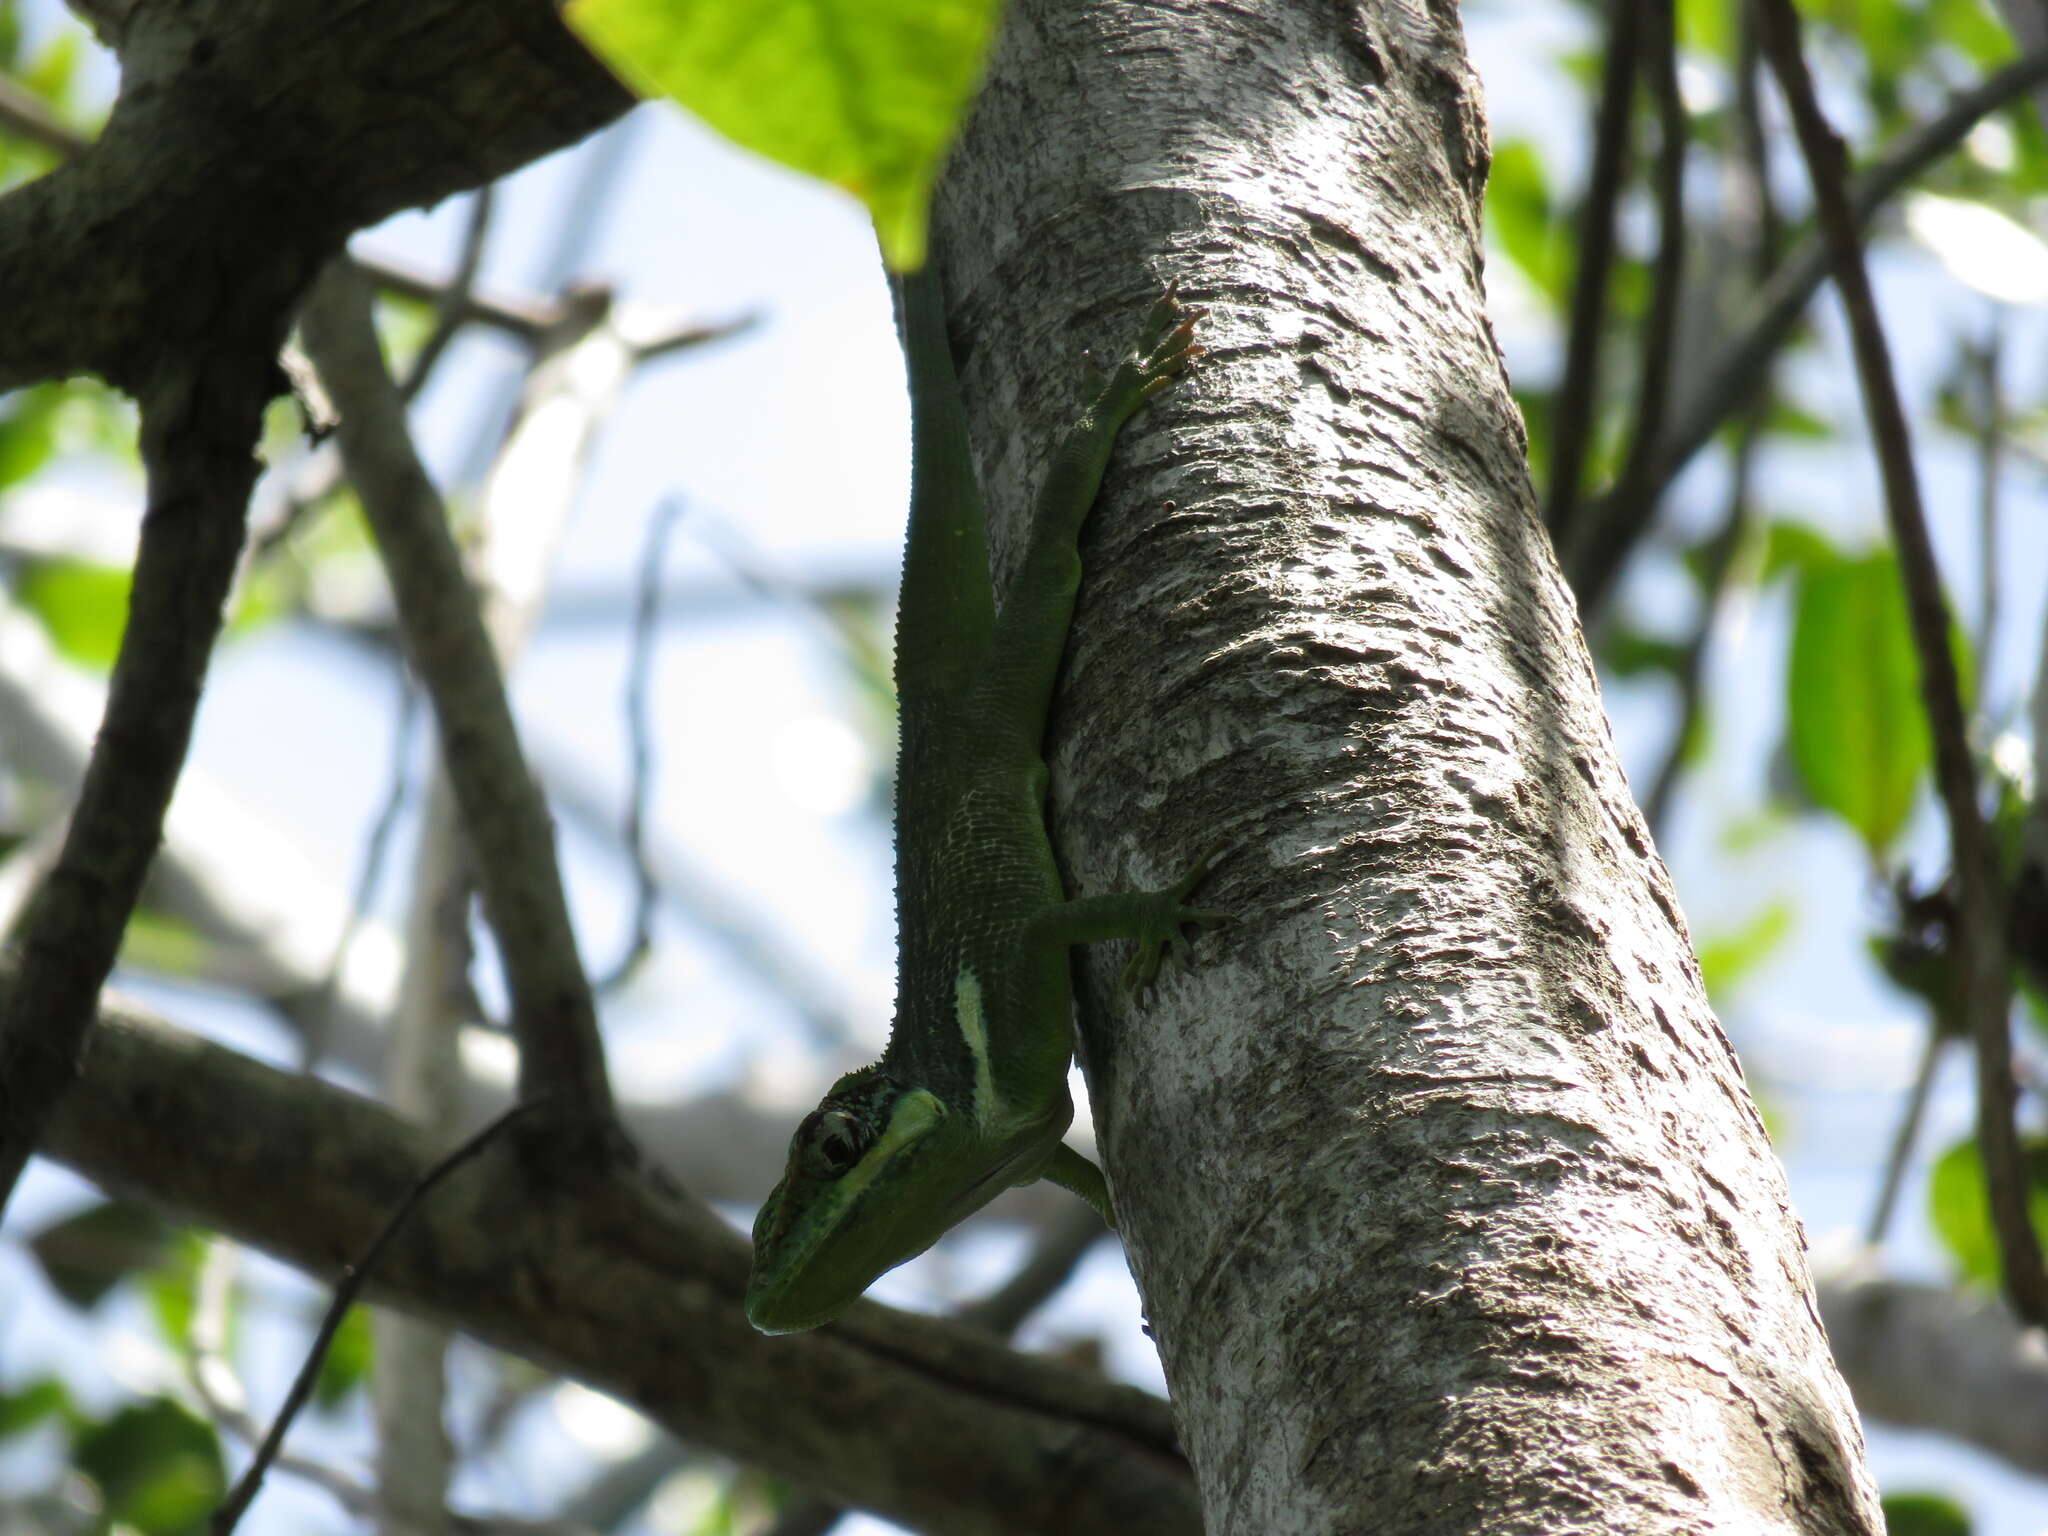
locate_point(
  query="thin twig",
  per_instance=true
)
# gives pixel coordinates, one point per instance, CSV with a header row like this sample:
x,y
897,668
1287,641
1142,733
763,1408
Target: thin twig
x,y
640,741
1980,936
1908,1132
1572,418
1616,522
27,116
377,847
1989,360
1718,561
353,1279
451,308
220,1390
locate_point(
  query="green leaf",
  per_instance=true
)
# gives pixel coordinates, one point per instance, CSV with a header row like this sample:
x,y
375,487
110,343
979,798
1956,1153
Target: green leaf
x,y
87,1255
28,431
25,1409
1520,217
158,941
173,1286
1857,734
348,1360
865,94
1924,1514
1957,1205
83,606
1726,959
158,1468
1790,548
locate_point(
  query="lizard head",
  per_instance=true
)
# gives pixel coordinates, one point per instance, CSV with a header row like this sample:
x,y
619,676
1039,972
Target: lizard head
x,y
870,1183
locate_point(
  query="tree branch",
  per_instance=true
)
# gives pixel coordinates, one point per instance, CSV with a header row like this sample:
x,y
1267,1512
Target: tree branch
x,y
1729,378
238,159
200,423
1572,422
1980,937
630,1288
1615,522
510,832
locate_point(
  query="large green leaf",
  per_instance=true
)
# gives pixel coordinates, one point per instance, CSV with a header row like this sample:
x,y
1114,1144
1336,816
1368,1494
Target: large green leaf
x,y
863,93
1855,726
1957,1203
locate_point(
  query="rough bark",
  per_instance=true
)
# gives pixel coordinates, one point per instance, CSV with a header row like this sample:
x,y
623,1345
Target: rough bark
x,y
1440,1180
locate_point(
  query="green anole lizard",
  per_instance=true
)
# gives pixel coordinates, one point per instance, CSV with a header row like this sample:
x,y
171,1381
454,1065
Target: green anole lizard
x,y
970,1097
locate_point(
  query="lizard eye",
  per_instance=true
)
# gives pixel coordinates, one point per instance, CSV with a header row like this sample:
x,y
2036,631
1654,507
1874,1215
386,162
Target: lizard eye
x,y
832,1143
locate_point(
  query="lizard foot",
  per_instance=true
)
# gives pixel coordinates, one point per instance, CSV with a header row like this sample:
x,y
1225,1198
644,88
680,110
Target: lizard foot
x,y
1161,355
1164,920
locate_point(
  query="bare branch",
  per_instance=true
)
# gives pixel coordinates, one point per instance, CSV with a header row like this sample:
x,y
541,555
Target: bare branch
x,y
1980,937
640,741
199,429
1931,1357
1618,520
167,233
1729,377
511,834
1572,420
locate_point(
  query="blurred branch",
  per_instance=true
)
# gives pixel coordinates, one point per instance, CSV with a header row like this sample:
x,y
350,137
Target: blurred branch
x,y
24,114
715,909
511,835
1604,535
452,302
201,419
1987,366
1719,556
640,741
1757,212
1929,1357
1572,424
422,1081
1911,1115
318,1027
1728,377
1981,935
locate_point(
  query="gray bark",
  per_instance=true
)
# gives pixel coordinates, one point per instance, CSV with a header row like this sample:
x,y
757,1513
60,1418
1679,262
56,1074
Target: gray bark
x,y
1449,1206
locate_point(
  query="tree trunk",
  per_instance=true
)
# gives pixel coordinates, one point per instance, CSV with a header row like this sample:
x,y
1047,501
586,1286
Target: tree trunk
x,y
1447,1201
